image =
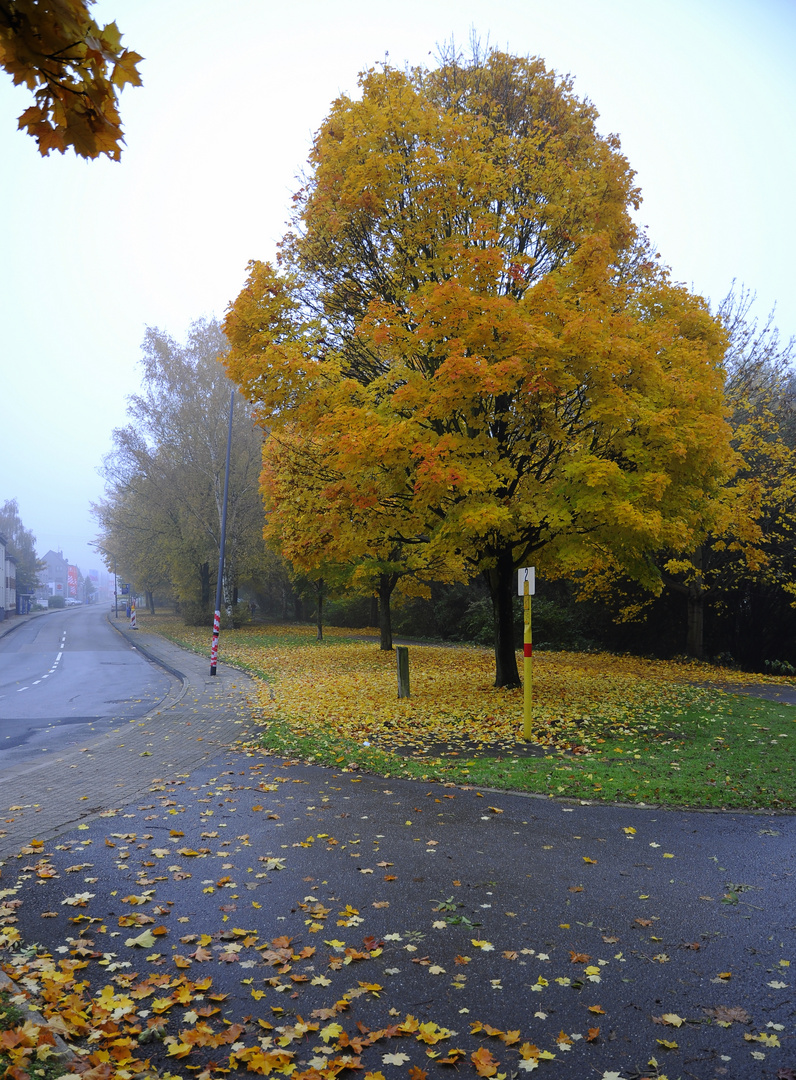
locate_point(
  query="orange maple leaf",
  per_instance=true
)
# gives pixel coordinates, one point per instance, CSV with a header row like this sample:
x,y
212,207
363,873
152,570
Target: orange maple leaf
x,y
485,1064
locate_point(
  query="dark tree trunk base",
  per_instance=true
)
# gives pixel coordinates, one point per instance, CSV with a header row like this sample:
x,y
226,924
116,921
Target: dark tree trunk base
x,y
387,583
696,623
501,586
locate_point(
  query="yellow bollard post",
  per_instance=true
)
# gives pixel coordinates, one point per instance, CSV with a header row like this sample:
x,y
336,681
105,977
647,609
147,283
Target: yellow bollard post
x,y
527,663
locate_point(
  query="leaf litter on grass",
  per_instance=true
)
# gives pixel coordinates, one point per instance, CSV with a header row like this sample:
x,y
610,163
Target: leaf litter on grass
x,y
336,701
349,685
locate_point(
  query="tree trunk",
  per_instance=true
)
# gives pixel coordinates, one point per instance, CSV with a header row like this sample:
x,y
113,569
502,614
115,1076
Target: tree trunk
x,y
501,587
319,621
695,641
150,599
695,645
387,583
694,591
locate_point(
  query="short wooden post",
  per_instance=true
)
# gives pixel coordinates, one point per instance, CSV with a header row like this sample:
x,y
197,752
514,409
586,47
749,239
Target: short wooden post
x,y
402,658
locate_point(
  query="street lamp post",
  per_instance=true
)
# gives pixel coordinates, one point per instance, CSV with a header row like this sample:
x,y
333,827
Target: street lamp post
x,y
219,582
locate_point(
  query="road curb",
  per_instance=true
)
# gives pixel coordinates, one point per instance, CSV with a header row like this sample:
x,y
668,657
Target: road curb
x,y
175,716
152,657
66,1056
13,622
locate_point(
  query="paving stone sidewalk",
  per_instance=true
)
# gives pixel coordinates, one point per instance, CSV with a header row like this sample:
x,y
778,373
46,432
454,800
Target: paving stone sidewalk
x,y
200,716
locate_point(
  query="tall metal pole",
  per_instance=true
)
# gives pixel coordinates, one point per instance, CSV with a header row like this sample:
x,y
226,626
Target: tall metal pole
x,y
115,591
219,583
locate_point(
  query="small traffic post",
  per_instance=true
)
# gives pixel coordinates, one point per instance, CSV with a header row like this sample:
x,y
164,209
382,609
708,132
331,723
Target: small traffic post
x,y
132,615
402,659
214,643
526,586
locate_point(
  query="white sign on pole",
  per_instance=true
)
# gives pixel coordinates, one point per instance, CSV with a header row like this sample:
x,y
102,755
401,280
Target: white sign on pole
x,y
527,573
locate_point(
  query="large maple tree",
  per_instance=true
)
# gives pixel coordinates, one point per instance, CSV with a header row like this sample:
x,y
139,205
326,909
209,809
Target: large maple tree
x,y
488,357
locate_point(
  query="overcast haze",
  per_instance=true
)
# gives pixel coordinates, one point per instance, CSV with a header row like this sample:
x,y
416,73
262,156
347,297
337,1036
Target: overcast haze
x,y
701,92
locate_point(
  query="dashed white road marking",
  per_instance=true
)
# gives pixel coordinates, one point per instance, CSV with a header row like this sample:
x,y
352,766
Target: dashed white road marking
x,y
49,673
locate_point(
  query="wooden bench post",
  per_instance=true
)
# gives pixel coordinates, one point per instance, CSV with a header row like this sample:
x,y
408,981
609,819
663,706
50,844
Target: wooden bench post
x,y
402,658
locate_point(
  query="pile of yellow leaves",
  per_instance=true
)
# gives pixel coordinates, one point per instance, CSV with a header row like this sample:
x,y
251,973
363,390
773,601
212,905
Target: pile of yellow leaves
x,y
347,687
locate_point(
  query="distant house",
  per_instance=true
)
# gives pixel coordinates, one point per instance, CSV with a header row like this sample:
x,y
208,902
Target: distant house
x,y
2,563
8,581
54,576
10,584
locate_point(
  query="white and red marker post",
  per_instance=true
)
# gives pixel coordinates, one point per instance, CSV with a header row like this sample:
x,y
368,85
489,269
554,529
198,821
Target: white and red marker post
x,y
526,586
214,646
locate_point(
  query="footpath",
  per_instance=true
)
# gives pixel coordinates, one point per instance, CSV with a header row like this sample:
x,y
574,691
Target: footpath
x,y
200,715
216,910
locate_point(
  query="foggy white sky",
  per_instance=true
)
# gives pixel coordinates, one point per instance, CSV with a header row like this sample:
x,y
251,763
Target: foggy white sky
x,y
701,92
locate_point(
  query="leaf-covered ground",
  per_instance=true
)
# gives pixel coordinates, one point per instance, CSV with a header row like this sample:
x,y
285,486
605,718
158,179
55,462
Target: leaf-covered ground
x,y
287,920
28,1048
606,727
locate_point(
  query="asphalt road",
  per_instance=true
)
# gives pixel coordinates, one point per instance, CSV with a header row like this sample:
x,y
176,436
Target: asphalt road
x,y
65,677
321,914
602,936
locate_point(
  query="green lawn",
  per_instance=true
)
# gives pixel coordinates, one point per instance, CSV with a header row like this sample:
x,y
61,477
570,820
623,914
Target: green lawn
x,y
735,752
606,728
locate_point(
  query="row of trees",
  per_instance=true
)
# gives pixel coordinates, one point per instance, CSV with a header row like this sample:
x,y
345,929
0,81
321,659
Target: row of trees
x,y
21,543
745,587
160,520
468,358
744,569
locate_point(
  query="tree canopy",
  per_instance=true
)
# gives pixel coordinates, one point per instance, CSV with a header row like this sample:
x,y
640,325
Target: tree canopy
x,y
74,68
21,543
482,351
161,517
747,561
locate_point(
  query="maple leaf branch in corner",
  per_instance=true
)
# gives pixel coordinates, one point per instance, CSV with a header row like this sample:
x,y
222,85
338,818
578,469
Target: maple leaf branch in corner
x,y
74,68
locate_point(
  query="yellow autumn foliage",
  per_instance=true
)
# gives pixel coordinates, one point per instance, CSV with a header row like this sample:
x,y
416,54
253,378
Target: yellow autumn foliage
x,y
347,687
